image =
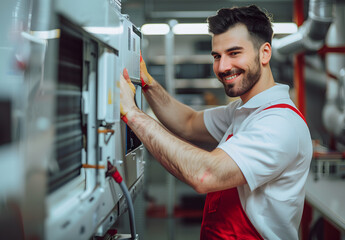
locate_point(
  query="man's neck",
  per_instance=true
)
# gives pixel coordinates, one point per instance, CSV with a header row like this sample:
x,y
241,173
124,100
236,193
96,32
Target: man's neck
x,y
265,82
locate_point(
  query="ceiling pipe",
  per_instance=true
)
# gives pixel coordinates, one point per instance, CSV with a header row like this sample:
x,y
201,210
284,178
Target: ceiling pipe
x,y
311,35
333,115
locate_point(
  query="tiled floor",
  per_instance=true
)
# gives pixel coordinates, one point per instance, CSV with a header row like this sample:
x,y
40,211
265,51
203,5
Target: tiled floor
x,y
158,229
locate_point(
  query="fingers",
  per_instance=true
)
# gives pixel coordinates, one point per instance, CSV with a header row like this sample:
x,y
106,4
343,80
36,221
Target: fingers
x,y
143,66
122,111
124,92
145,77
143,69
123,114
125,77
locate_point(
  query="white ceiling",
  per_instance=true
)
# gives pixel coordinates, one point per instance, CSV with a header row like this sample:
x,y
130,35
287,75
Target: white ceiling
x,y
144,11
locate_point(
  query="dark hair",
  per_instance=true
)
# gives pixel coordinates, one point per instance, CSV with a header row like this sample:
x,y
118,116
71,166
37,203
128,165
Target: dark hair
x,y
257,22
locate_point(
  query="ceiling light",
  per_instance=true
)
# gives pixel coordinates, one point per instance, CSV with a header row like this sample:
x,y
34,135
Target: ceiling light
x,y
190,28
284,28
202,28
155,29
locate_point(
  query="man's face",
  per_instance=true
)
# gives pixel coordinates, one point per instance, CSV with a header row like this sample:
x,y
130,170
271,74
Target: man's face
x,y
236,62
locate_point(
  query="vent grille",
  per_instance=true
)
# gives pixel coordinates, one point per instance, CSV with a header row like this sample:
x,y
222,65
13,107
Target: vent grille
x,y
5,122
69,129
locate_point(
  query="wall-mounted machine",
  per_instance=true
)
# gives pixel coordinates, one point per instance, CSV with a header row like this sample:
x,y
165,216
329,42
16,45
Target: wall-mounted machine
x,y
60,126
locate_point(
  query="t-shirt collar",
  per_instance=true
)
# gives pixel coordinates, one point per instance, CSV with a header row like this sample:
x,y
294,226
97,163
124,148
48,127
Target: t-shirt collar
x,y
276,92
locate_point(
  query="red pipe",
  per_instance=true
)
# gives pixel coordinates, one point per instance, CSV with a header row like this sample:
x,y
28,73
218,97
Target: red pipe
x,y
298,9
299,83
299,63
326,49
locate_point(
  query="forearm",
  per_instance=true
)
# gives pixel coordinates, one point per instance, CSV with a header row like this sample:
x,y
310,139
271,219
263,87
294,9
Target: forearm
x,y
165,147
204,171
171,113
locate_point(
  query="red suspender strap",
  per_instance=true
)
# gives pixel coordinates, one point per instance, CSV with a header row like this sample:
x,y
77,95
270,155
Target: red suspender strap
x,y
229,137
283,105
288,106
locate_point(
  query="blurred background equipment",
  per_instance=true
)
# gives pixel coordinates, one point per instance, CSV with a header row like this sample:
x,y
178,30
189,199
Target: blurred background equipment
x,y
60,118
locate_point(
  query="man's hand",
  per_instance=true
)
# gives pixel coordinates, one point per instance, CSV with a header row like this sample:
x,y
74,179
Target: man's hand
x,y
145,77
127,91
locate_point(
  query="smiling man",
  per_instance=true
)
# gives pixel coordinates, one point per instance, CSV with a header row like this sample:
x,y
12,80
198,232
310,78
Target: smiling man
x,y
254,176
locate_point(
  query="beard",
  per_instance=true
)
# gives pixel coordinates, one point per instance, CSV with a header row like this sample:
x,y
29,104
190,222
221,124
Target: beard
x,y
250,77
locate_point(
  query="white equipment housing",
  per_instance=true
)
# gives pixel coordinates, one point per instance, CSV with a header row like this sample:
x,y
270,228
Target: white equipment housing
x,y
60,117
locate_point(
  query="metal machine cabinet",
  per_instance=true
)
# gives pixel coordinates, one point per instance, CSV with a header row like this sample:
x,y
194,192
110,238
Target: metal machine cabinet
x,y
60,124
130,53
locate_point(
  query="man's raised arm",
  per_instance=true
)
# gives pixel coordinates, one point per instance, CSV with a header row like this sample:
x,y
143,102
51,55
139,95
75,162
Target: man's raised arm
x,y
179,118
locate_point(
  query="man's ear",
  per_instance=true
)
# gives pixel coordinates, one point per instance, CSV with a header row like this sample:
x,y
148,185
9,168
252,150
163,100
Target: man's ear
x,y
266,53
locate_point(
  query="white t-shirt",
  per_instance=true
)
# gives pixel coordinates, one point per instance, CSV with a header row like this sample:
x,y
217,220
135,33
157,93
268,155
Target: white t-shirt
x,y
273,149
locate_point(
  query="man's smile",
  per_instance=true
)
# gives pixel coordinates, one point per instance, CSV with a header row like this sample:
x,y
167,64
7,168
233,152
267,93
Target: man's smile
x,y
231,78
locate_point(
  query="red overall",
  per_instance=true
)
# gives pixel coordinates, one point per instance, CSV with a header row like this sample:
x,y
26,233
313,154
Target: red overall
x,y
224,217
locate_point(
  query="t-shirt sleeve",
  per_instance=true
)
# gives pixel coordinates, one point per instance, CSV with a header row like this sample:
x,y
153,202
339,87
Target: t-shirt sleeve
x,y
264,149
216,121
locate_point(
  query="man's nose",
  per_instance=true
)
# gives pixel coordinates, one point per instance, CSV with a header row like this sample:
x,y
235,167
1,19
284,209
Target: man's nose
x,y
224,65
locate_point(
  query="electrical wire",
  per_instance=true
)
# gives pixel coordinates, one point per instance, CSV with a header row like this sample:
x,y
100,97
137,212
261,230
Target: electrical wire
x,y
114,173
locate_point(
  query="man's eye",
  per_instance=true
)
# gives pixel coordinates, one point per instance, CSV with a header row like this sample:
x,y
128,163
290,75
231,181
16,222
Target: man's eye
x,y
234,53
216,56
